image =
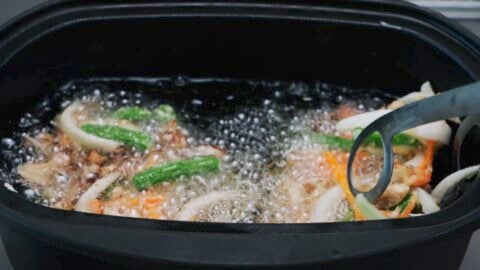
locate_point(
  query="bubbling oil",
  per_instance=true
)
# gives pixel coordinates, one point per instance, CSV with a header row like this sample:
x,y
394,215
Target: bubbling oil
x,y
262,126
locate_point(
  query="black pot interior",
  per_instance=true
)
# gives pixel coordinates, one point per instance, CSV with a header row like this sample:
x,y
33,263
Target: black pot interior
x,y
393,52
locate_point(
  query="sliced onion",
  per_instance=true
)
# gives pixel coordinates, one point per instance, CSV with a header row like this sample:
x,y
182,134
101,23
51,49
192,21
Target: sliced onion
x,y
449,182
203,150
368,210
67,124
295,192
425,91
438,131
416,160
43,147
116,122
10,187
428,203
325,209
360,120
95,190
190,210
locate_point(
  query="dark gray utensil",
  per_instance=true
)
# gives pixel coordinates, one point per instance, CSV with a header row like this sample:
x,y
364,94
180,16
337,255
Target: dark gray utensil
x,y
459,102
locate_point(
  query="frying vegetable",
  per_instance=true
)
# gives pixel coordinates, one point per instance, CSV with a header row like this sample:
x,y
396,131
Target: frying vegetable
x,y
438,131
67,124
242,167
449,182
425,168
165,113
339,171
129,137
133,114
416,161
368,210
326,207
190,210
405,206
335,142
360,120
332,141
173,170
426,91
349,216
402,205
426,201
399,139
94,191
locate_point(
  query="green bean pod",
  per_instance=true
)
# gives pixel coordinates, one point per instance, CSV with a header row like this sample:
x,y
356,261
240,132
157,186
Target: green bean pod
x,y
133,114
128,137
173,170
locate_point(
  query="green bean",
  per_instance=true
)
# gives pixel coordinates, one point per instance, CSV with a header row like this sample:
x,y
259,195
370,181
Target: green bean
x,y
349,215
137,139
332,141
369,211
375,140
133,114
164,113
173,170
402,205
400,139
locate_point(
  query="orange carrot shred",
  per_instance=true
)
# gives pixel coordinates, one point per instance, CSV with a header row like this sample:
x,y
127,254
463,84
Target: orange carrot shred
x,y
425,168
95,157
96,206
339,171
410,206
153,214
134,202
154,200
64,140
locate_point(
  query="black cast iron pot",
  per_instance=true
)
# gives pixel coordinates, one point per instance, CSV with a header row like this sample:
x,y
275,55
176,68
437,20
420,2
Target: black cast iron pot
x,y
388,45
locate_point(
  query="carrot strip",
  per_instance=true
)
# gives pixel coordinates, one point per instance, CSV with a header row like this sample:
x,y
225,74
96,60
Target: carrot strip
x,y
149,206
134,201
425,168
64,140
154,200
95,157
96,206
339,171
153,215
410,206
